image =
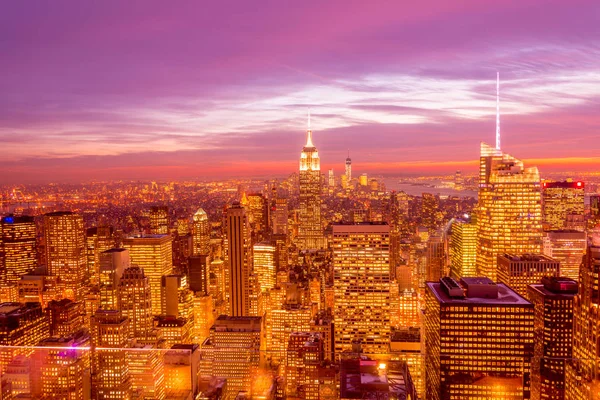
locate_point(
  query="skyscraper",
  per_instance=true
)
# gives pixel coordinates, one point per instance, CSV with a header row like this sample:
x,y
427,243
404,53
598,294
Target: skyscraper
x,y
258,216
159,220
66,252
509,205
200,233
310,231
563,204
463,249
509,209
435,258
429,208
199,273
553,335
152,253
233,351
361,283
279,217
17,248
240,260
135,302
478,340
110,370
348,169
582,374
112,264
98,239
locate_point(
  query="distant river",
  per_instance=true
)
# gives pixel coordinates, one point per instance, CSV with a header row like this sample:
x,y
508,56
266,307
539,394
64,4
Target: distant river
x,y
418,190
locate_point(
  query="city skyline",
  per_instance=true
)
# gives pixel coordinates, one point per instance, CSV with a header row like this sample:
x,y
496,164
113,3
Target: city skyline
x,y
202,92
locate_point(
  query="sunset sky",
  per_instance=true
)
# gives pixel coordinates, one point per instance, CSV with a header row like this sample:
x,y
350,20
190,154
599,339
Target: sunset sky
x,y
161,90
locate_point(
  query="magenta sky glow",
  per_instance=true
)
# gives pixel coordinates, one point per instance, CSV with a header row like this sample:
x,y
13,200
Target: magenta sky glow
x,y
159,90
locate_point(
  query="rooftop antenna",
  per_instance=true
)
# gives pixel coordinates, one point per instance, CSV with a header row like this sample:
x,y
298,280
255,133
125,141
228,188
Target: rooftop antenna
x,y
497,110
309,142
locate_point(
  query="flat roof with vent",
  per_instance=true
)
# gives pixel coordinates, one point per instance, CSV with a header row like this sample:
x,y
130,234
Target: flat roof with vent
x,y
505,297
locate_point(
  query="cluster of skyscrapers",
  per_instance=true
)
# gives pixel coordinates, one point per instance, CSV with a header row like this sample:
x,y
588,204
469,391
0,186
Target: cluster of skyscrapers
x,y
273,297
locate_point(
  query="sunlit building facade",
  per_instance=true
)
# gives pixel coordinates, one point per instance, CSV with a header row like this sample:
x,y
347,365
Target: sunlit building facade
x,y
154,254
113,263
304,355
66,258
430,205
258,216
233,352
20,325
159,220
203,317
310,231
64,371
200,233
65,317
285,320
509,209
98,239
264,265
564,205
361,283
240,260
279,216
478,340
110,378
520,271
568,248
146,371
406,346
463,249
17,248
582,374
553,335
135,302
435,258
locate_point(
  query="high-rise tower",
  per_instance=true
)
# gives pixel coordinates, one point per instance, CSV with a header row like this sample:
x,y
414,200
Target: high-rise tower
x,y
240,260
509,208
159,220
582,374
66,252
154,254
564,205
17,248
310,232
361,282
200,233
478,339
348,170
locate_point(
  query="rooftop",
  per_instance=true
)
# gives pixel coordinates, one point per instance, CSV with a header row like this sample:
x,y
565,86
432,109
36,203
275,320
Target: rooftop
x,y
527,257
59,213
506,296
115,250
361,227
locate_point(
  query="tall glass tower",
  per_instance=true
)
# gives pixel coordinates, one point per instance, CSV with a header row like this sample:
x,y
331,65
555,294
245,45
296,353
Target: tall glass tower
x,y
509,209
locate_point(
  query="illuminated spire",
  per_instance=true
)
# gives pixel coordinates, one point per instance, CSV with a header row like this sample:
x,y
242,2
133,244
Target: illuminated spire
x,y
498,111
309,142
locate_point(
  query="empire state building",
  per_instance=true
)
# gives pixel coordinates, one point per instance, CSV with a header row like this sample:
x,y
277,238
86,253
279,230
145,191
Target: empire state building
x,y
310,232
